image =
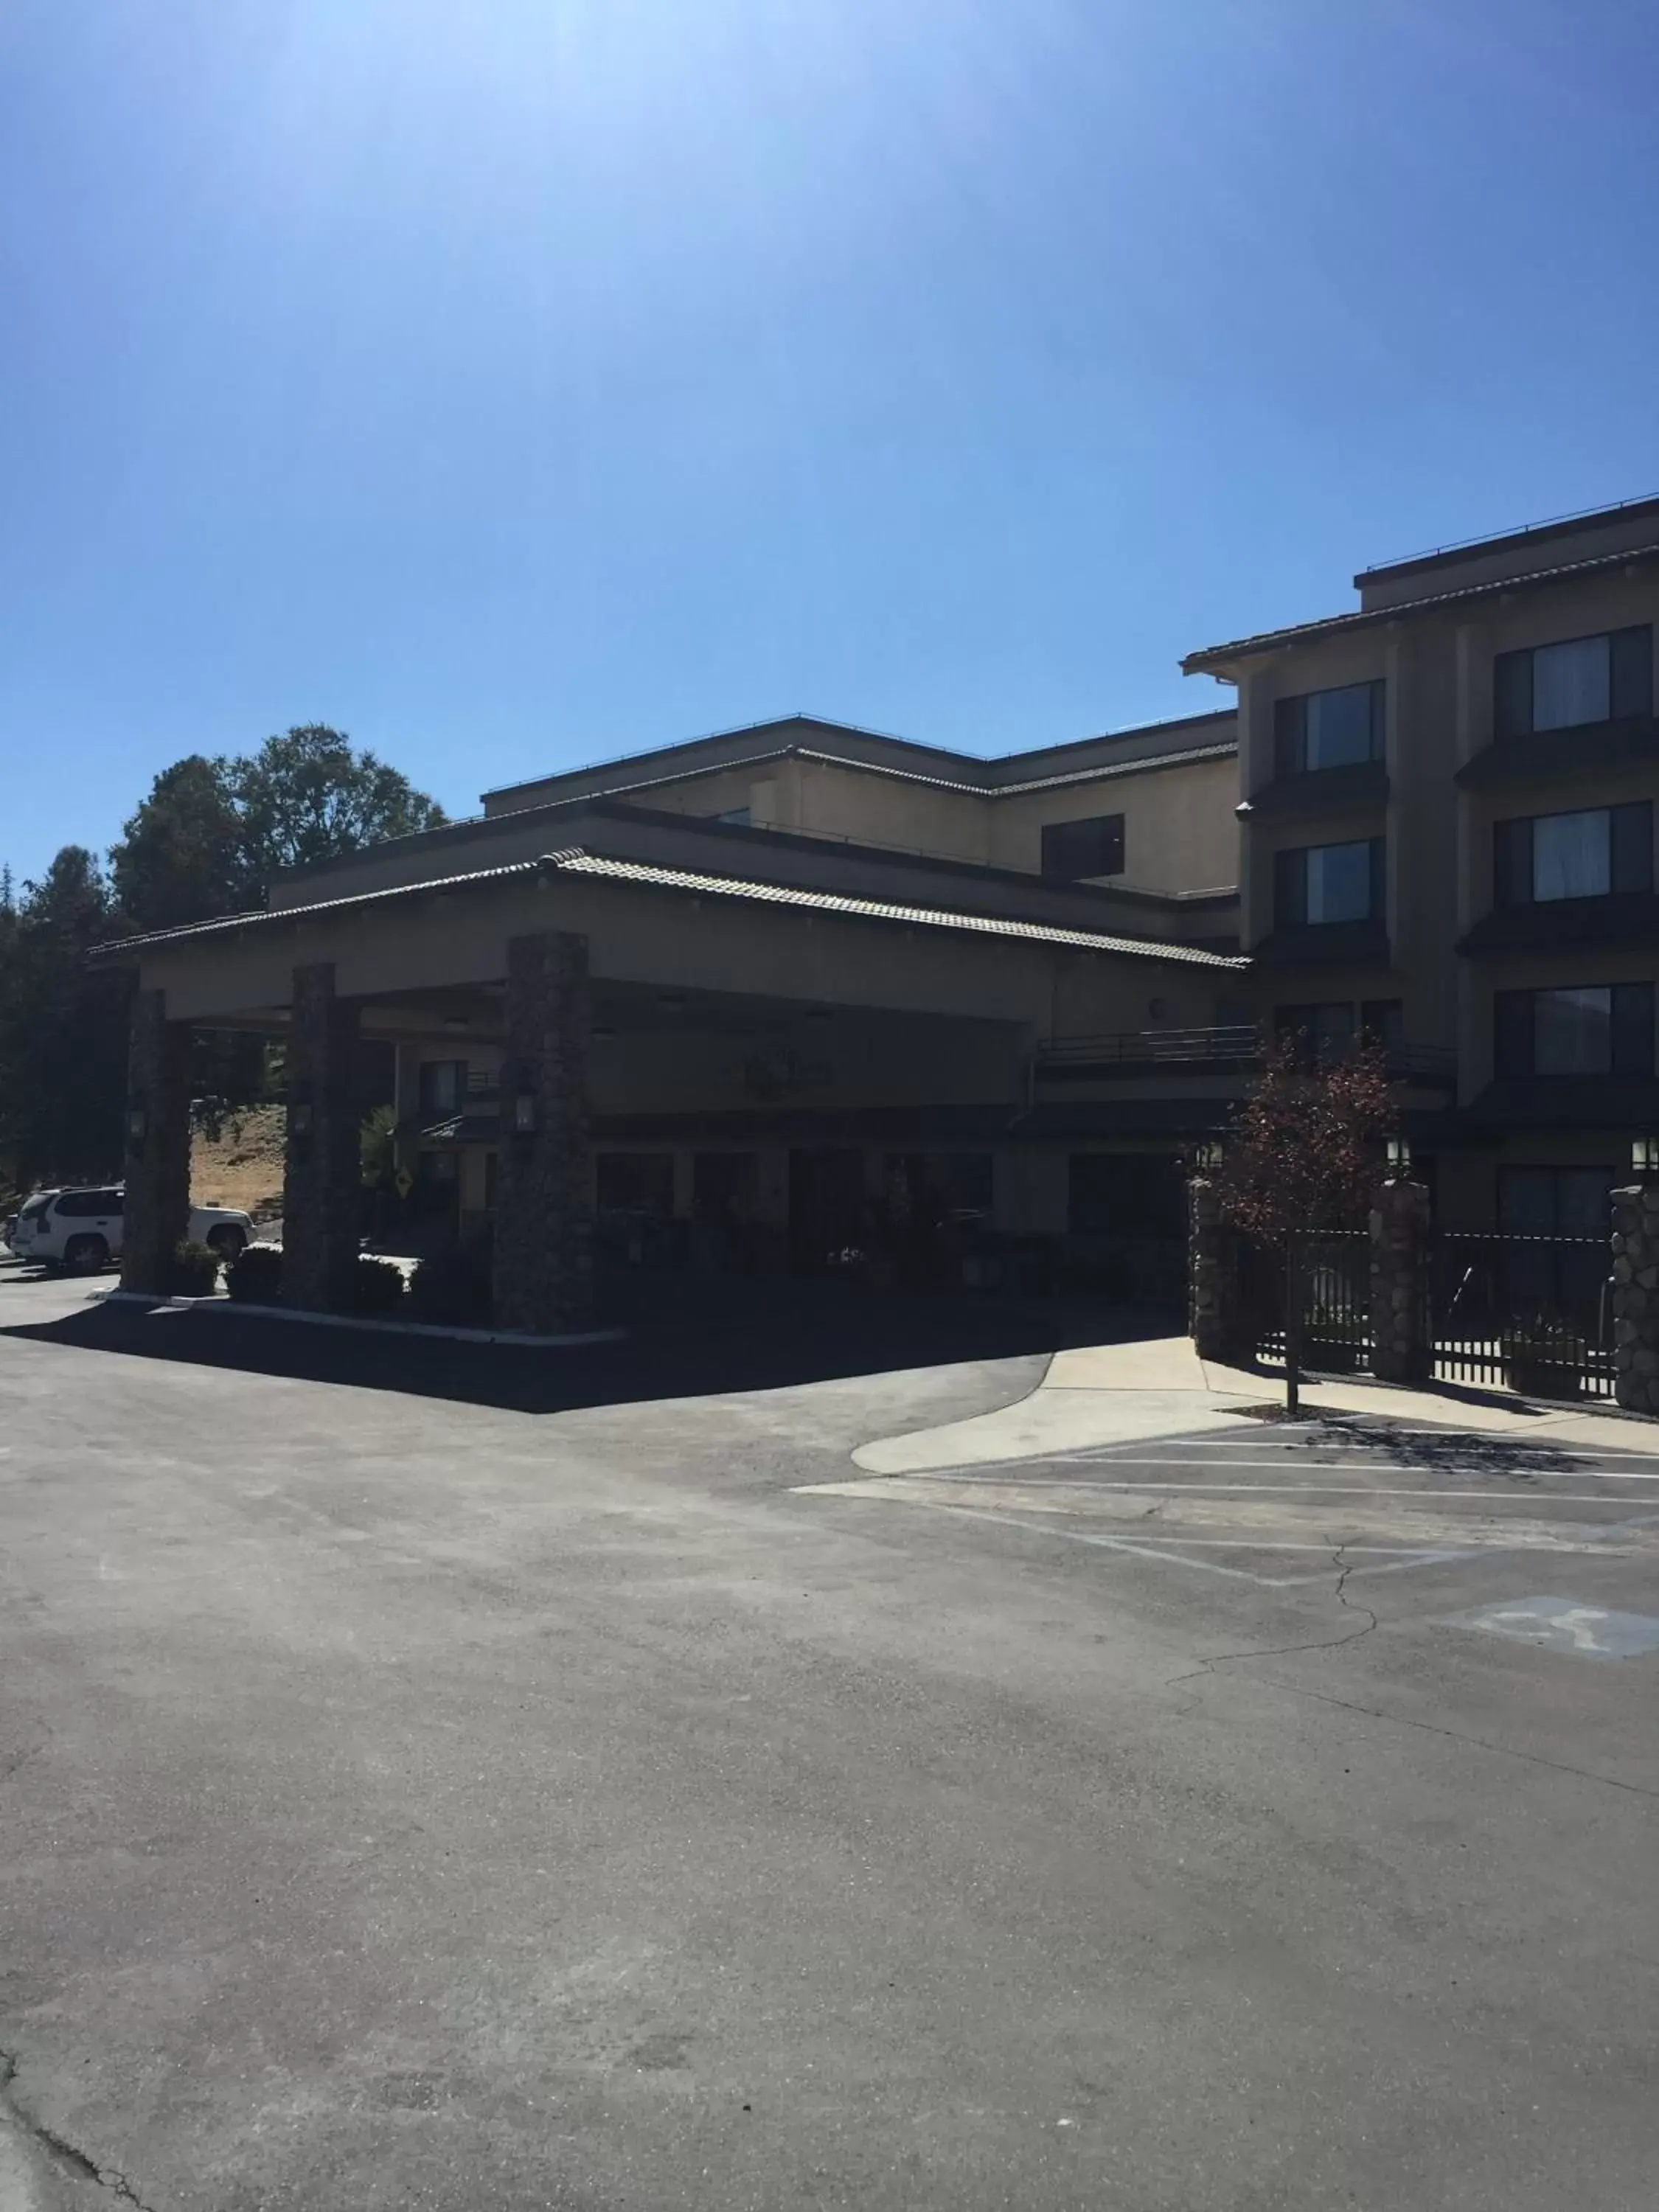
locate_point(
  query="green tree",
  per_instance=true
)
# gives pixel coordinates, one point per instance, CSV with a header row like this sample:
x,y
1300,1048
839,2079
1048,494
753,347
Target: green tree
x,y
184,856
308,797
63,1027
212,833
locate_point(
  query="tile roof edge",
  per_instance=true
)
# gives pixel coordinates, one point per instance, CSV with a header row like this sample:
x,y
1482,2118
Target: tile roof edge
x,y
1201,662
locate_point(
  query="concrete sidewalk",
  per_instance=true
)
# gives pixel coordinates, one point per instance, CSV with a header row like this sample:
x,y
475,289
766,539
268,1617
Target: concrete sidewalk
x,y
1111,1394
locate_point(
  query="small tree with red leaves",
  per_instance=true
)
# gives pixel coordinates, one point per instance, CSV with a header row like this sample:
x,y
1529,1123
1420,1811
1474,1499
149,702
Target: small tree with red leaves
x,y
1301,1157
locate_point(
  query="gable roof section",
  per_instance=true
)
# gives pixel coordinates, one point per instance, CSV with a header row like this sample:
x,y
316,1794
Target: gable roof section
x,y
577,860
1211,659
809,737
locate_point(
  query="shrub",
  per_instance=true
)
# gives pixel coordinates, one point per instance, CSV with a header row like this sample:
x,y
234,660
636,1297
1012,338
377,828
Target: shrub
x,y
195,1271
1546,1339
255,1276
378,1287
454,1289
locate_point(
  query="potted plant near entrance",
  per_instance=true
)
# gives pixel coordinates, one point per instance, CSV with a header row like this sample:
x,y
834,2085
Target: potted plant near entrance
x,y
1544,1357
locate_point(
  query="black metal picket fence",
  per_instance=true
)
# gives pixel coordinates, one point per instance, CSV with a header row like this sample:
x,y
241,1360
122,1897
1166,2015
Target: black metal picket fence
x,y
1533,1312
1336,1301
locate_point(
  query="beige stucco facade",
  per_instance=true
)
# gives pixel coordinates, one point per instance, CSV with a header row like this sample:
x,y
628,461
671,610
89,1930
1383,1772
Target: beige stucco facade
x,y
1431,633
810,951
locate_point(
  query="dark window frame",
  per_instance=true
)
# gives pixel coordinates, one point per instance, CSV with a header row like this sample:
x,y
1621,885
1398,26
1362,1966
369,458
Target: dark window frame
x,y
1290,726
1074,852
646,1177
1630,853
1631,1009
1630,680
426,1087
1510,1172
1291,885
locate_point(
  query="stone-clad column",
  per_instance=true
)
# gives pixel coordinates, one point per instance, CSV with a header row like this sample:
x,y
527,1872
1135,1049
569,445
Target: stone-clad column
x,y
1636,1297
1401,1342
157,1146
323,1174
1214,1292
543,1259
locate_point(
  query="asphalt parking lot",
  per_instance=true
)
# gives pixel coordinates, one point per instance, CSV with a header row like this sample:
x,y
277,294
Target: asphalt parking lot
x,y
602,1799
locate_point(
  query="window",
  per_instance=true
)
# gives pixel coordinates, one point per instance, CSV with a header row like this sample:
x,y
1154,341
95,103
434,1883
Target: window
x,y
1318,885
1383,1021
1325,1031
443,1086
634,1182
1330,1029
1589,1030
1585,679
1073,850
1328,729
1125,1195
1554,1201
88,1205
940,1184
1584,855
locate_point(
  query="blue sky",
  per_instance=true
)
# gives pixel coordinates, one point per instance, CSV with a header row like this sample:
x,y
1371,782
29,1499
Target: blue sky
x,y
517,385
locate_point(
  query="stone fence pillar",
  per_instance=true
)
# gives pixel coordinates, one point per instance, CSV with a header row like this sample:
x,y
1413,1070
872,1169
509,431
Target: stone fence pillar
x,y
1402,1344
322,1174
544,1258
1215,1319
1636,1297
157,1146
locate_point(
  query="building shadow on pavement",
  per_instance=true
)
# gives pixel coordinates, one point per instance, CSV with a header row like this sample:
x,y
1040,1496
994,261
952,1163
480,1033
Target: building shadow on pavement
x,y
690,1339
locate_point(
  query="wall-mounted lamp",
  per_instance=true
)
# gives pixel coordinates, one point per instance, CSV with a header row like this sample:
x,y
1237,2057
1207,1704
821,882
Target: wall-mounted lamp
x,y
300,1117
601,1029
524,1114
1644,1156
455,1022
1399,1155
137,1124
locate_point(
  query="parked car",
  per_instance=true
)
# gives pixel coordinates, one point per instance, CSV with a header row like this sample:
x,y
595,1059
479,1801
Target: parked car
x,y
81,1230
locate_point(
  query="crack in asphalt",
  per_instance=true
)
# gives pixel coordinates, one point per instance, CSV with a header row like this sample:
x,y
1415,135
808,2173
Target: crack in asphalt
x,y
1281,1650
1456,1735
63,2152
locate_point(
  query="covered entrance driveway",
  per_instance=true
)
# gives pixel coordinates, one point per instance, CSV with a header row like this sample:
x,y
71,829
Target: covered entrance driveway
x,y
776,1065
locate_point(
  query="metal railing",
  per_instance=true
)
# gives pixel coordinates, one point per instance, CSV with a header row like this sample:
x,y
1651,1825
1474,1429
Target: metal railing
x,y
1530,1310
1238,1043
1224,1045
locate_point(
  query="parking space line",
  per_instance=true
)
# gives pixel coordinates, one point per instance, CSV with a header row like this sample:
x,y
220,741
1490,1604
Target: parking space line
x,y
1530,1498
1358,1466
1166,1557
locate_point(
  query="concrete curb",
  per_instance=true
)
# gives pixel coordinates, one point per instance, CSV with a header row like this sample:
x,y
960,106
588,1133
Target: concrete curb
x,y
364,1322
1099,1396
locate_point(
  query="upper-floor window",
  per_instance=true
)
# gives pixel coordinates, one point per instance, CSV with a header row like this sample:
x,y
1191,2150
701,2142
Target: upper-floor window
x,y
1329,1030
1588,854
1596,1028
1315,885
443,1086
1073,850
1585,679
1328,729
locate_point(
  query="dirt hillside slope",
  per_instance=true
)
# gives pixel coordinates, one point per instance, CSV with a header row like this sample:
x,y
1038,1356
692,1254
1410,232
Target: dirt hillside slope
x,y
243,1166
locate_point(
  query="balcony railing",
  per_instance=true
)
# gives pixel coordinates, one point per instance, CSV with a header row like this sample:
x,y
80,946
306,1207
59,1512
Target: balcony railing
x,y
1232,1044
1227,1047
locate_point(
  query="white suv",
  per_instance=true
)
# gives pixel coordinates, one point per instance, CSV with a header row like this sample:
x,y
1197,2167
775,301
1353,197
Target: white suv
x,y
82,1229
